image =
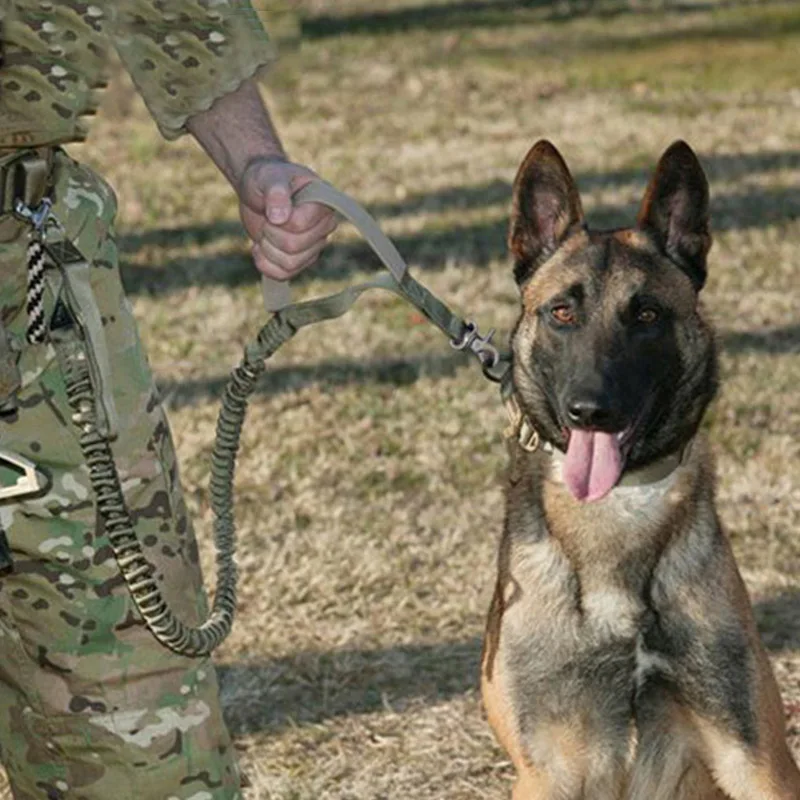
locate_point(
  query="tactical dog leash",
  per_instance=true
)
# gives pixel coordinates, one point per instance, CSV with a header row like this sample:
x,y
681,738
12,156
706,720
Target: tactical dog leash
x,y
86,390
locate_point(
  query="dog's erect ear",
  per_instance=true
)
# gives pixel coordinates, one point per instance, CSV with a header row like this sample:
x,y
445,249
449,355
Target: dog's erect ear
x,y
675,210
546,208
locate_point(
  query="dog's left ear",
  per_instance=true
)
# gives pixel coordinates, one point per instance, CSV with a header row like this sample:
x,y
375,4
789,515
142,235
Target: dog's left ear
x,y
675,210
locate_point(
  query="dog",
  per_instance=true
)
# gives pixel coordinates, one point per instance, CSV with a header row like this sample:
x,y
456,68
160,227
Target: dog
x,y
621,660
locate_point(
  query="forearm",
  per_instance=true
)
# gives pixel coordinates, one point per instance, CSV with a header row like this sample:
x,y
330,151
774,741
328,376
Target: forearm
x,y
236,130
239,136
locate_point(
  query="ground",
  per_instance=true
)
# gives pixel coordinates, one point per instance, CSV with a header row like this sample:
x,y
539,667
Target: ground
x,y
369,486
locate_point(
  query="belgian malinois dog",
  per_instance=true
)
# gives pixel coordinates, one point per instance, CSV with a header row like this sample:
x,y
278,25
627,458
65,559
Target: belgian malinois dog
x,y
621,659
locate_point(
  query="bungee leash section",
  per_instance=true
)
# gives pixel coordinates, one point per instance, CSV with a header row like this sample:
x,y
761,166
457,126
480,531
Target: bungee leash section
x,y
75,338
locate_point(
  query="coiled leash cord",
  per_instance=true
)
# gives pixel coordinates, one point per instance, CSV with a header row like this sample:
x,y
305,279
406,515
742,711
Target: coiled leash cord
x,y
95,442
111,506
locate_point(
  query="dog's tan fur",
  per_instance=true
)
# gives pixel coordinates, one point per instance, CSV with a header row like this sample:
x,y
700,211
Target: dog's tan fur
x,y
636,594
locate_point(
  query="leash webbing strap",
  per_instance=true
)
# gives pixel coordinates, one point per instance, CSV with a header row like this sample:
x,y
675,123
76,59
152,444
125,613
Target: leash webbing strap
x,y
299,315
319,191
462,335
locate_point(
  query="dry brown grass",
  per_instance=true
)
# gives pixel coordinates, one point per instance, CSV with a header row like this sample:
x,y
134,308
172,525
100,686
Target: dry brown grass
x,y
368,488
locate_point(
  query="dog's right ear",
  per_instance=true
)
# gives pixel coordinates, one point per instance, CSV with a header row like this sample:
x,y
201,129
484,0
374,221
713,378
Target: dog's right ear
x,y
546,209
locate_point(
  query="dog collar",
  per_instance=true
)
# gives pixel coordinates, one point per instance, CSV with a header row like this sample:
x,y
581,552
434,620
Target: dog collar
x,y
522,430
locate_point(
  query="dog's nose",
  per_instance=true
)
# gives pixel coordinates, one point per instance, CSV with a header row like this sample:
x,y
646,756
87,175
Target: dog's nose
x,y
591,412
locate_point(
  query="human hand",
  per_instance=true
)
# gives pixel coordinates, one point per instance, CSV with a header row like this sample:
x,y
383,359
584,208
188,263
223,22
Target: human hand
x,y
286,238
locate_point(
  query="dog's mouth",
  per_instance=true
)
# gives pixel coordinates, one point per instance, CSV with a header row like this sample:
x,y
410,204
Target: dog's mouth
x,y
594,461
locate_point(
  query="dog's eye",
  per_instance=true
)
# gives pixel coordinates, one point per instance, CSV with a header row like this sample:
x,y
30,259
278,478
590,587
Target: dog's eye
x,y
647,316
563,314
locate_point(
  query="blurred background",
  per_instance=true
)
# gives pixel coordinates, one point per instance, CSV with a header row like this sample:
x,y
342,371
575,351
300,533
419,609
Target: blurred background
x,y
369,487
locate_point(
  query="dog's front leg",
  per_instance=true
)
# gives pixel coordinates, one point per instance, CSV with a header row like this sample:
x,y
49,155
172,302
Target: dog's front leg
x,y
558,708
667,765
703,650
562,761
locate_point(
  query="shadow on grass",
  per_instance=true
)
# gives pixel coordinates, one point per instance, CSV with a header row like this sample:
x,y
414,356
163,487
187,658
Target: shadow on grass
x,y
336,372
741,30
497,13
313,687
718,166
402,371
776,341
478,244
310,688
430,17
778,620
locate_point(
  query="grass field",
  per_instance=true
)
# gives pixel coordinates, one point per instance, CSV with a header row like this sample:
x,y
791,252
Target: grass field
x,y
369,487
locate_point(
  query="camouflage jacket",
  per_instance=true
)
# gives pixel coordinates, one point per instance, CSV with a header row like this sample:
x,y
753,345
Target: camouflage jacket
x,y
181,54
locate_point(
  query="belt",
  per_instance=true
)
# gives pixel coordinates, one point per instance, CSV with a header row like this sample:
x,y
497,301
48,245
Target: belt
x,y
24,175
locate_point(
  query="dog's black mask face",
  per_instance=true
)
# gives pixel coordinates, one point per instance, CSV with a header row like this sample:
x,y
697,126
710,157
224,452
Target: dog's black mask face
x,y
612,359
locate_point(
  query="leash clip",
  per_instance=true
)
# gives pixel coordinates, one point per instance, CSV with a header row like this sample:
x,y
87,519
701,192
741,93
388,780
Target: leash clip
x,y
36,216
480,346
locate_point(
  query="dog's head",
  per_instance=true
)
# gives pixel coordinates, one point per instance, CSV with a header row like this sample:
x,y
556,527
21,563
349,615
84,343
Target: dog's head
x,y
613,361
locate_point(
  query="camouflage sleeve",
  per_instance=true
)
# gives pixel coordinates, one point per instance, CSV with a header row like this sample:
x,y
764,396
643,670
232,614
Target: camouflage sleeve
x,y
184,54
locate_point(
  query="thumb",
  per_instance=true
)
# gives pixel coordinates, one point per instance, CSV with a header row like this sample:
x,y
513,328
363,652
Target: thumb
x,y
279,202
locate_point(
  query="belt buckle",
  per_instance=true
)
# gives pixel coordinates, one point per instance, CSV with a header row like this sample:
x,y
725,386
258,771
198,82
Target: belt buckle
x,y
26,484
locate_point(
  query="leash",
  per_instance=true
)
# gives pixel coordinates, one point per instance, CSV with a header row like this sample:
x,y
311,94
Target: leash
x,y
80,345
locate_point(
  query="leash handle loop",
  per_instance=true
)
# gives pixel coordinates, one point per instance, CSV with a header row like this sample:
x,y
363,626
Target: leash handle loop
x,y
319,191
277,294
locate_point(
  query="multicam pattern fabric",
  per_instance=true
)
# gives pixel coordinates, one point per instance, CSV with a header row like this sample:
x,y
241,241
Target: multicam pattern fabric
x,y
181,54
91,705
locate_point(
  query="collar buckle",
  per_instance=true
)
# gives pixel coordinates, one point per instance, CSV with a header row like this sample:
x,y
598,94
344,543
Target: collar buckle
x,y
520,427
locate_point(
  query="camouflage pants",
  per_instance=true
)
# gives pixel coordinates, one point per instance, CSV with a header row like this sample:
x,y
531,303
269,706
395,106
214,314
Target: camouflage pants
x,y
91,706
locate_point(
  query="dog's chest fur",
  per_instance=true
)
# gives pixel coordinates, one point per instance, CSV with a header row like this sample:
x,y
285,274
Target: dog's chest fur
x,y
576,599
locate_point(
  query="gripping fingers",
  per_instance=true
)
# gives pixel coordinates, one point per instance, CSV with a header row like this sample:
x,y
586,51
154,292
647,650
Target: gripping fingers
x,y
291,243
306,216
283,266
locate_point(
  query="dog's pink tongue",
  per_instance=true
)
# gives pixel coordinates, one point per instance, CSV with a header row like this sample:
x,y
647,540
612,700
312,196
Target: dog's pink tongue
x,y
593,464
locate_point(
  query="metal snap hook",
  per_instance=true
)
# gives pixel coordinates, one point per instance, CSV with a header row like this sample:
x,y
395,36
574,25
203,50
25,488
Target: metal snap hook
x,y
479,346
